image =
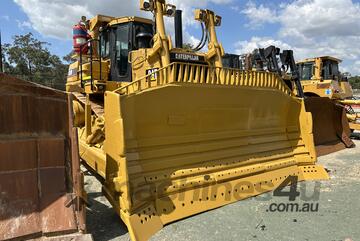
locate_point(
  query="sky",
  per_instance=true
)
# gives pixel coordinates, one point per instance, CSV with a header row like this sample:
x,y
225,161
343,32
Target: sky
x,y
309,27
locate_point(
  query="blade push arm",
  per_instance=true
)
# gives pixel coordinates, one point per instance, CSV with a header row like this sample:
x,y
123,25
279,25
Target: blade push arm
x,y
216,50
161,42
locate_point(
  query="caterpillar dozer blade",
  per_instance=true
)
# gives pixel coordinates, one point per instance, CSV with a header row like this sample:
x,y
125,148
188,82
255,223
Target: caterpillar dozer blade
x,y
185,146
330,125
41,187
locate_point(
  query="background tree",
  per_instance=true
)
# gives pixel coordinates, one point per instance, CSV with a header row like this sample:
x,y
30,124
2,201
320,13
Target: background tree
x,y
355,82
29,59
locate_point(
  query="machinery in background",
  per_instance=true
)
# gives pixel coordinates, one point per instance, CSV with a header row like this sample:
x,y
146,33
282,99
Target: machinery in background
x,y
320,77
330,126
41,186
232,61
172,132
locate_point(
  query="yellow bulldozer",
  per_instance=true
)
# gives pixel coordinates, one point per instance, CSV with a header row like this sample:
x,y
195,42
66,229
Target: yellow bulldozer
x,y
320,77
172,132
331,128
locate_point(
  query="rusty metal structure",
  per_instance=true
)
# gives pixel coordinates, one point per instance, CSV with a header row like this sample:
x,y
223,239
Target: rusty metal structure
x,y
41,186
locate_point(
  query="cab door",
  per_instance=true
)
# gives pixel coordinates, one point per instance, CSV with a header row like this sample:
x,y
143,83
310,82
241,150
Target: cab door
x,y
120,46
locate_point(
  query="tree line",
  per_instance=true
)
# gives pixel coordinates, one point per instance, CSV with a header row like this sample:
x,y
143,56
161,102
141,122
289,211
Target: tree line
x,y
29,59
355,82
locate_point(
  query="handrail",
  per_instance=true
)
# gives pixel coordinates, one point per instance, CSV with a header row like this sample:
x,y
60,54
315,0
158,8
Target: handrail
x,y
202,74
89,43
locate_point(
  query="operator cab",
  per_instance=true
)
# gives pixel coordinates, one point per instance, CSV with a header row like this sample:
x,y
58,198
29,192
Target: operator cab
x,y
325,68
121,37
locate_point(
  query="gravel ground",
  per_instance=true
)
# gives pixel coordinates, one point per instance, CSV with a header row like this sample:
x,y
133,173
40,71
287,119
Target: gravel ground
x,y
337,219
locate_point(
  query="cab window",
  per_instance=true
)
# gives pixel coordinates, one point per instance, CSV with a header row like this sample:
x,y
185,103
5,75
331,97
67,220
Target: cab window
x,y
105,44
330,69
122,49
306,70
142,35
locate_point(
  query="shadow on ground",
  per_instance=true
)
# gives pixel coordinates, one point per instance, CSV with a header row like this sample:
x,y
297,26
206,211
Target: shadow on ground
x,y
102,221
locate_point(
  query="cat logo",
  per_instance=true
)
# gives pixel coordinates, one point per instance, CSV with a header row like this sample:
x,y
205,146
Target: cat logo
x,y
153,74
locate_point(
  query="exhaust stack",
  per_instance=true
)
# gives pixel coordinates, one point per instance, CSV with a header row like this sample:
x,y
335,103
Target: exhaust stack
x,y
178,29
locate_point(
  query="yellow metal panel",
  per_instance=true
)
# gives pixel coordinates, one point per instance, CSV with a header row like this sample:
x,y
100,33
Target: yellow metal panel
x,y
313,172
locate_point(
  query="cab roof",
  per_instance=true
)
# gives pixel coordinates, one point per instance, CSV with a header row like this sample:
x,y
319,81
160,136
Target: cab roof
x,y
130,19
98,20
321,57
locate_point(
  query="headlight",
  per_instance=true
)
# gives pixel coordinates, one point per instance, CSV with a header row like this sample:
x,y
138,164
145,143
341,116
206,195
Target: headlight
x,y
147,5
217,20
170,10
